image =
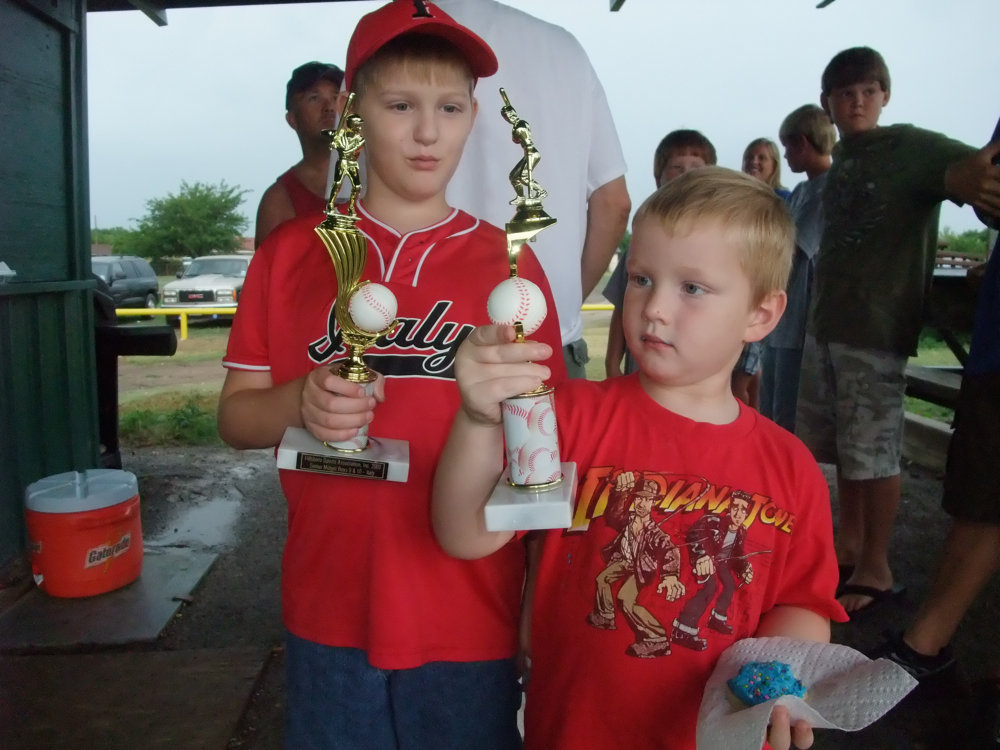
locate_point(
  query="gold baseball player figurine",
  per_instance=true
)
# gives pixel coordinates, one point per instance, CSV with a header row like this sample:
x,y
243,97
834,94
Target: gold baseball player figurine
x,y
529,216
364,311
347,141
526,187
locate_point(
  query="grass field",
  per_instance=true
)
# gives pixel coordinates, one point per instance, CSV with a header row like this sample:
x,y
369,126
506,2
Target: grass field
x,y
179,407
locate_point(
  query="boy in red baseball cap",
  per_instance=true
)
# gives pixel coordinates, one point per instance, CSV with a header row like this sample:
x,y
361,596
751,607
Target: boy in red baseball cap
x,y
390,641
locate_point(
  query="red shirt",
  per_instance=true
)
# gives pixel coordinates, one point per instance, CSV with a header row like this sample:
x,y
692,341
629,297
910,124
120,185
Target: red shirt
x,y
361,567
304,200
590,686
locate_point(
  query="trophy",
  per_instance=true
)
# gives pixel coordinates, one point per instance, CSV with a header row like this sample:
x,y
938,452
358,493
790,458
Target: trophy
x,y
365,311
536,490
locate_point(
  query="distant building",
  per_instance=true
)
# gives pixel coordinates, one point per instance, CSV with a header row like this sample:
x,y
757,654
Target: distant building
x,y
100,248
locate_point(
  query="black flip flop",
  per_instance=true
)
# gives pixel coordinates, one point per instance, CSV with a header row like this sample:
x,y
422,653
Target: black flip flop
x,y
877,596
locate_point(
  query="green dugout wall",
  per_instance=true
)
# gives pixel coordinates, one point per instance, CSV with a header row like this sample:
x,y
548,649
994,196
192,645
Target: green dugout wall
x,y
48,399
48,382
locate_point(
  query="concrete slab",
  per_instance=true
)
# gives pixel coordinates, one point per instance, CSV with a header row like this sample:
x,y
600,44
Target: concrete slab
x,y
138,612
174,700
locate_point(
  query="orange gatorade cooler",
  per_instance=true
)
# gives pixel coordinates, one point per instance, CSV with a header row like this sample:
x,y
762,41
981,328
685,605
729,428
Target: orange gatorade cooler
x,y
84,531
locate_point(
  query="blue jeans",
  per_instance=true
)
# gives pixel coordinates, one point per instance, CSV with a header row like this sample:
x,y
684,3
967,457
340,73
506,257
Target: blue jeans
x,y
779,384
336,699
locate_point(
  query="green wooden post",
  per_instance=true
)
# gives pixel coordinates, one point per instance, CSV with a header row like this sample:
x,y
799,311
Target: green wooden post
x,y
48,400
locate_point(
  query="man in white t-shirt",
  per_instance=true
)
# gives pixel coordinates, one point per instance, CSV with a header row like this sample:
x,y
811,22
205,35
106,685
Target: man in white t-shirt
x,y
550,81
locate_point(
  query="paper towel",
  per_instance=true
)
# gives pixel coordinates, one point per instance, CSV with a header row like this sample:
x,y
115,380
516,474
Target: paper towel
x,y
844,690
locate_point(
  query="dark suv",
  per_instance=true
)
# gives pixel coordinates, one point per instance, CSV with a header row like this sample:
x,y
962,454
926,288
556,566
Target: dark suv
x,y
131,279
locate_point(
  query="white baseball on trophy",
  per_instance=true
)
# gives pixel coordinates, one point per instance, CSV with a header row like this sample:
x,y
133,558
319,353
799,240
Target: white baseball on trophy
x,y
516,299
372,307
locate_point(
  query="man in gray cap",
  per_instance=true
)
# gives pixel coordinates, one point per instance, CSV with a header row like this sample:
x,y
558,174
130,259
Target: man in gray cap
x,y
311,107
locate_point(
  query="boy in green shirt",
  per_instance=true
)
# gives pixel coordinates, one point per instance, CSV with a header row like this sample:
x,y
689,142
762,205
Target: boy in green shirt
x,y
874,267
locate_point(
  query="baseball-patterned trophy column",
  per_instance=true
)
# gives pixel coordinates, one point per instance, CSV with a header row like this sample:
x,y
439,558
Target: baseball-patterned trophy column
x,y
364,311
536,490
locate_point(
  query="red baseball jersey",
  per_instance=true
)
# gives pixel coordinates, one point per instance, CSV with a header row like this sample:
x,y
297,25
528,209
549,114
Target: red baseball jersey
x,y
361,566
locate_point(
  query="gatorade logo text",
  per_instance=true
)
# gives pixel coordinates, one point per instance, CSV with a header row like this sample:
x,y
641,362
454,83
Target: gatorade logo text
x,y
106,552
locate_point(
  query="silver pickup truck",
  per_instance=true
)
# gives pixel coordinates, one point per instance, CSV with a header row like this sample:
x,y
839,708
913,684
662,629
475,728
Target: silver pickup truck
x,y
209,281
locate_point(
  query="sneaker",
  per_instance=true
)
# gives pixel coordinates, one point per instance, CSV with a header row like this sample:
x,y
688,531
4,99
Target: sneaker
x,y
984,725
649,649
599,621
688,640
922,667
719,626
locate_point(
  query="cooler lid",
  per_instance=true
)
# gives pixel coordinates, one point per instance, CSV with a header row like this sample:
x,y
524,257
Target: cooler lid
x,y
80,491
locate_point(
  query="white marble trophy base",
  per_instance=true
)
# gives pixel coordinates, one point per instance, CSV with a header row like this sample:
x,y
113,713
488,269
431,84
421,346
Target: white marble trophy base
x,y
513,508
383,458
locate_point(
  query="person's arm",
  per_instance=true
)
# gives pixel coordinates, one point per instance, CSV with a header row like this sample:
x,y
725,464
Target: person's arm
x,y
614,292
254,413
489,367
804,625
616,345
533,559
794,622
746,375
275,207
746,387
607,216
976,180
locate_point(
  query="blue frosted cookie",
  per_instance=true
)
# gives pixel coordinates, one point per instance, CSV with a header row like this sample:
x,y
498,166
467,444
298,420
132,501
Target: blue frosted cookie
x,y
760,681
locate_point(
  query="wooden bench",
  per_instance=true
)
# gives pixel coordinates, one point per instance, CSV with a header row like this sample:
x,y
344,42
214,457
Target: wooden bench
x,y
946,259
938,385
949,311
925,441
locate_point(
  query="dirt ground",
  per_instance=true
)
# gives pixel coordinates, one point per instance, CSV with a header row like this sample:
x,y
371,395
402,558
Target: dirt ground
x,y
197,364
167,374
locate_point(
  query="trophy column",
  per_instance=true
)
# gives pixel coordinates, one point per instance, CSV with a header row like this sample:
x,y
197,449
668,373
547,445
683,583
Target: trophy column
x,y
536,490
364,311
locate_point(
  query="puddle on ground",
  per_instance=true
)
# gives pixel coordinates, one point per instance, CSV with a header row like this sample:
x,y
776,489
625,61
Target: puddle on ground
x,y
207,524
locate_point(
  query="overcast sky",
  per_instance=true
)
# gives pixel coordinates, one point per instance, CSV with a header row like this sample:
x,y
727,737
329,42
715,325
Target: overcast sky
x,y
202,99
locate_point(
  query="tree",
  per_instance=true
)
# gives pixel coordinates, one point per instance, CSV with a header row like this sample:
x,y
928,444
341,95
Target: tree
x,y
200,218
123,241
970,242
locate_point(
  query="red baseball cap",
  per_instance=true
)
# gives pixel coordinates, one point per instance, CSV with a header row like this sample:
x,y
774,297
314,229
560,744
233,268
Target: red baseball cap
x,y
400,17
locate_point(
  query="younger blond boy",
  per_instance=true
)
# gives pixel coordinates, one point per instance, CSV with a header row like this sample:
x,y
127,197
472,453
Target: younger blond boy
x,y
697,522
808,136
391,642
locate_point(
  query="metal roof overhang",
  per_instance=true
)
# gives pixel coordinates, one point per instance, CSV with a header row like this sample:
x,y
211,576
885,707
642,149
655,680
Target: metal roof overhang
x,y
157,9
